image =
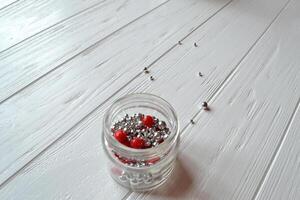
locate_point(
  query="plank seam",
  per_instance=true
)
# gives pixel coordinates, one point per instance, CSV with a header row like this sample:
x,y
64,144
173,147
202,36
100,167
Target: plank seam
x,y
234,70
5,182
53,25
277,151
9,5
238,65
87,48
225,5
62,136
186,36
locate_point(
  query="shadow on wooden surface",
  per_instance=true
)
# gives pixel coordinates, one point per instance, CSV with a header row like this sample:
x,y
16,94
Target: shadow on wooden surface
x,y
180,183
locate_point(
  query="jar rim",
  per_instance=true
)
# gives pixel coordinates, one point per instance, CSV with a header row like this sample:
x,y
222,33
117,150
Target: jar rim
x,y
124,149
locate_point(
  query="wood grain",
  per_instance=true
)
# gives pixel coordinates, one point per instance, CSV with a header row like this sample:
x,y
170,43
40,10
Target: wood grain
x,y
27,62
4,4
53,179
57,102
230,148
282,180
178,69
26,18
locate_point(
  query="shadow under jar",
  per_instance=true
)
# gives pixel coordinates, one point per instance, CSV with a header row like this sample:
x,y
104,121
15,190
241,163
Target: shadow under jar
x,y
141,169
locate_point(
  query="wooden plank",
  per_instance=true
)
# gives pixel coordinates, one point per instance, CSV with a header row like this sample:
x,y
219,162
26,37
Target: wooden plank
x,y
32,59
57,102
29,17
52,182
283,179
227,153
4,4
178,69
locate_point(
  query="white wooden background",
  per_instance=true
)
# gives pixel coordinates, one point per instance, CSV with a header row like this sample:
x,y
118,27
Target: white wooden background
x,y
62,63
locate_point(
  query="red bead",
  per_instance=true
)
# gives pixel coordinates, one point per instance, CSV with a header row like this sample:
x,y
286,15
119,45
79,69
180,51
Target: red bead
x,y
127,143
160,141
121,136
148,121
137,143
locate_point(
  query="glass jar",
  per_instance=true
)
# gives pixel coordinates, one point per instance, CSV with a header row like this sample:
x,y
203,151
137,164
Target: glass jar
x,y
156,163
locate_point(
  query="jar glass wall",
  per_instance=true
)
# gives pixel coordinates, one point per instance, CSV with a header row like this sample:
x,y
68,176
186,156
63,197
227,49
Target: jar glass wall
x,y
140,169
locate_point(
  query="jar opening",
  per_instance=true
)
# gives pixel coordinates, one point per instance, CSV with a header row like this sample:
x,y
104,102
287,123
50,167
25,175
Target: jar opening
x,y
146,104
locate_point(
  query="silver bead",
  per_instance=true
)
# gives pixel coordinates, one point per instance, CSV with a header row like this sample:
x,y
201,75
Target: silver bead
x,y
140,181
123,178
139,176
126,175
140,124
205,105
145,134
131,164
148,181
149,176
135,164
148,144
156,133
140,115
134,181
162,125
146,71
150,131
165,136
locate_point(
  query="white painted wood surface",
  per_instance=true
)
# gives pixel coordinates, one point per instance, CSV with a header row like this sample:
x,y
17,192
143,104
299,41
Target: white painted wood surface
x,y
85,82
282,180
27,18
50,130
7,3
64,41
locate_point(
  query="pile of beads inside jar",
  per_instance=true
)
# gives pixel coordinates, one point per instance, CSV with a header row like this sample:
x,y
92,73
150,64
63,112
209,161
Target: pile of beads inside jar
x,y
139,131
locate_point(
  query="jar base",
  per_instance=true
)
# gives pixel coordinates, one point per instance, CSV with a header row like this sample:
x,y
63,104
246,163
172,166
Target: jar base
x,y
146,187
